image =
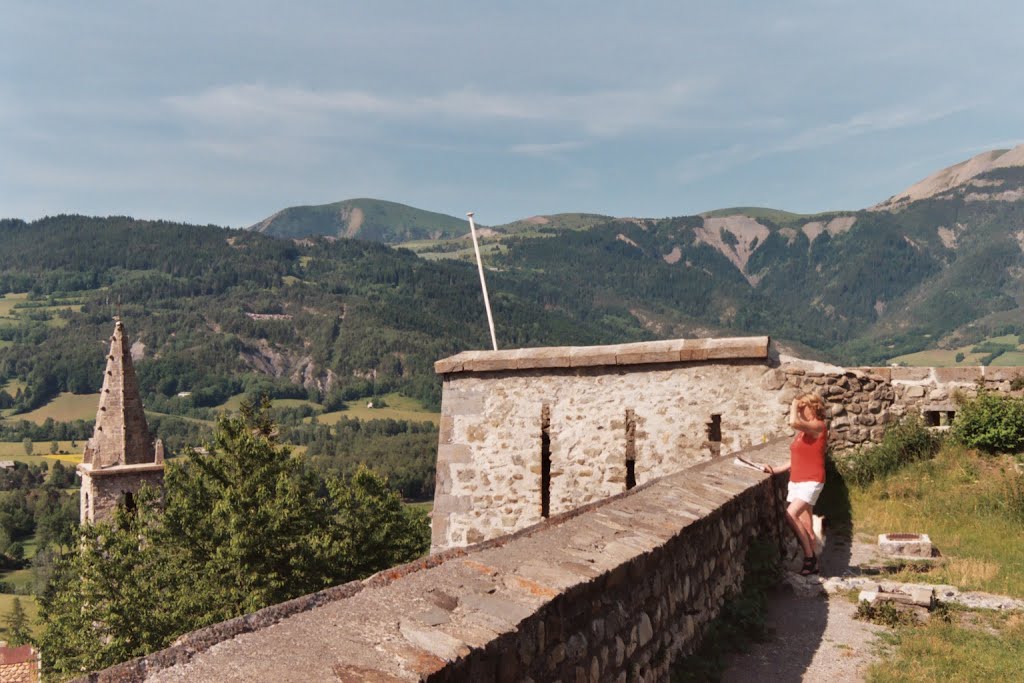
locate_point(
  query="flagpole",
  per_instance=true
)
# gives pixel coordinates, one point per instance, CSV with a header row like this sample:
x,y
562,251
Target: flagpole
x,y
483,282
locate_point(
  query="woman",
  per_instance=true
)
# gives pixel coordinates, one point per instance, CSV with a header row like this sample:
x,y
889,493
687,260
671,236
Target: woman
x,y
806,471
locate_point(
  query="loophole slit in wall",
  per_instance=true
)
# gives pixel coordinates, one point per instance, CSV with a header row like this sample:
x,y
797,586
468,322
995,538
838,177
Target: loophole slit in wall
x,y
545,461
715,434
630,448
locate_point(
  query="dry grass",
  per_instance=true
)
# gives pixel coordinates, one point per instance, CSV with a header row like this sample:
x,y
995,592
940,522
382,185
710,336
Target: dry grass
x,y
65,408
9,301
955,500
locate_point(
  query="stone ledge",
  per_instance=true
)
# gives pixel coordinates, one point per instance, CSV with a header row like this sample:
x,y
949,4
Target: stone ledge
x,y
120,470
639,353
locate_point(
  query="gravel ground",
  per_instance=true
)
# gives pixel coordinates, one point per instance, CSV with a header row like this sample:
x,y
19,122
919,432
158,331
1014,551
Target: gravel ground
x,y
814,638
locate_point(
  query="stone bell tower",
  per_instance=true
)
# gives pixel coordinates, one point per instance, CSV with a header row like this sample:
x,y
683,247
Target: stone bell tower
x,y
119,458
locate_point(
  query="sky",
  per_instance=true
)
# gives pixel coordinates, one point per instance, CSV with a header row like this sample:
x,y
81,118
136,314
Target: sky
x,y
225,112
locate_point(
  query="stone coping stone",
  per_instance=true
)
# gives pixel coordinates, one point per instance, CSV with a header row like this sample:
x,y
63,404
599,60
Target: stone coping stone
x,y
409,621
639,353
119,470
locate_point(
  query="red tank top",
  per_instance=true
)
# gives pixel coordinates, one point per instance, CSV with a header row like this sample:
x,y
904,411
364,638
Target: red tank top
x,y
807,456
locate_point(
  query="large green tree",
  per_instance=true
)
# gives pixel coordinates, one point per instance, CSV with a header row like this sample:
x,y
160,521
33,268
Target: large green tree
x,y
239,527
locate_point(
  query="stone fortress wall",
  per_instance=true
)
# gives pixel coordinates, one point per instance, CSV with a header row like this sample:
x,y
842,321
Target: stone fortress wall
x,y
614,591
648,519
530,433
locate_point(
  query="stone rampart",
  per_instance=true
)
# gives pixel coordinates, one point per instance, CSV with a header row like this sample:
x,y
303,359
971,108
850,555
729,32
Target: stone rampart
x,y
529,433
613,591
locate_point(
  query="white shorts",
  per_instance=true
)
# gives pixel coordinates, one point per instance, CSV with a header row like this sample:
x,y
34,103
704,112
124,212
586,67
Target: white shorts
x,y
807,491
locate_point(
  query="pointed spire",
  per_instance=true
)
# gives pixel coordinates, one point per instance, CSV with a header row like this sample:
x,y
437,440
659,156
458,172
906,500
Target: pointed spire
x,y
121,436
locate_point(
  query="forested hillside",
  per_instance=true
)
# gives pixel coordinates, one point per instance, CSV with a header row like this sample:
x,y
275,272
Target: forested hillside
x,y
215,310
322,322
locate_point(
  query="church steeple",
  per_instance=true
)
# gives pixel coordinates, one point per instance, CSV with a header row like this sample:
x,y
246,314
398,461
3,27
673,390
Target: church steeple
x,y
119,458
121,436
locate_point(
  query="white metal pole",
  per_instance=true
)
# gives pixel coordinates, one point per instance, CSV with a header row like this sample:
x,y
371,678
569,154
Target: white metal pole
x,y
483,282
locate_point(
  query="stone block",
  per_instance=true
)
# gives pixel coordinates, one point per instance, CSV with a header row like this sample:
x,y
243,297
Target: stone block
x,y
492,361
910,374
448,365
445,428
452,453
905,545
1005,374
593,356
547,357
649,352
458,401
958,375
738,347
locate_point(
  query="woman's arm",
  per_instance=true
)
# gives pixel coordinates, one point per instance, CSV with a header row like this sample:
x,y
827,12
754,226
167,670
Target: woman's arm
x,y
797,422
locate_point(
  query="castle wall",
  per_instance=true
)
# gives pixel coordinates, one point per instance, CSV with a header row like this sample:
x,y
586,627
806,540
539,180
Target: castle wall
x,y
490,479
530,431
612,592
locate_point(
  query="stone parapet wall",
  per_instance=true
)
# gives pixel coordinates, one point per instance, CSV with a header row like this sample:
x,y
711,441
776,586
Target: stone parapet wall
x,y
527,433
614,591
599,427
863,401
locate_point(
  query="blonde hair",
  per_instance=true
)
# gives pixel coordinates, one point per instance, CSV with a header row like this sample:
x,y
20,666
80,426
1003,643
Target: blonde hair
x,y
815,401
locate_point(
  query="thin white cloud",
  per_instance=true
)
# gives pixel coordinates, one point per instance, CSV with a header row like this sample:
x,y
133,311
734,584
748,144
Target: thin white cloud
x,y
599,112
880,120
547,150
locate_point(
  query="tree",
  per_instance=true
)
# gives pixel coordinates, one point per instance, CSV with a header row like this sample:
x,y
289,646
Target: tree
x,y
959,357
27,444
54,447
17,625
241,527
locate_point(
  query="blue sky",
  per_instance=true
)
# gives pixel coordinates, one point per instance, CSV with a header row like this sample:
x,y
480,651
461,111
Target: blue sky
x,y
224,112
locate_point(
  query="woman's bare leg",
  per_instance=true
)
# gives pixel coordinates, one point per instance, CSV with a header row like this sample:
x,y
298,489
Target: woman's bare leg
x,y
807,519
793,513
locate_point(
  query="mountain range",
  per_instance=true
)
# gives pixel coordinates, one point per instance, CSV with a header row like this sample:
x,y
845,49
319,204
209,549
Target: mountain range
x,y
293,306
936,264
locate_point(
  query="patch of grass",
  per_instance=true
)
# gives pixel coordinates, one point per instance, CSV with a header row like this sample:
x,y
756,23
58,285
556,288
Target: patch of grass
x,y
9,301
1009,359
905,442
234,403
28,603
958,499
13,386
884,614
65,408
941,651
398,408
425,505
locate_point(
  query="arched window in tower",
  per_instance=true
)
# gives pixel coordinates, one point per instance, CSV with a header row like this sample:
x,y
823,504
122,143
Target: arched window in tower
x,y
128,501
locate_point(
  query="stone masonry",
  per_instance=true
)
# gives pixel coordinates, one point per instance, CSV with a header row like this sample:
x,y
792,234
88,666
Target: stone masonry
x,y
614,591
120,458
530,433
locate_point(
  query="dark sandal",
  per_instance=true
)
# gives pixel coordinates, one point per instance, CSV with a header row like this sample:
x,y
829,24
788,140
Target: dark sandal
x,y
810,566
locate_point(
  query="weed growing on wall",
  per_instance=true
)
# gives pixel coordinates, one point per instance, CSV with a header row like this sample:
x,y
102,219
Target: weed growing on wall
x,y
907,441
741,620
990,422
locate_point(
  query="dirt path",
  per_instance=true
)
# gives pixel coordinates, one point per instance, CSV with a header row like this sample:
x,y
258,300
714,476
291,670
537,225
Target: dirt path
x,y
814,638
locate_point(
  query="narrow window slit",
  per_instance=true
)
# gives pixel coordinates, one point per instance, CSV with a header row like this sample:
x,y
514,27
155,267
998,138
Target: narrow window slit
x,y
714,429
545,461
630,448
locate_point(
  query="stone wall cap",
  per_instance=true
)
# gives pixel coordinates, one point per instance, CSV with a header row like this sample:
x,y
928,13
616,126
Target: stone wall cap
x,y
638,353
140,468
